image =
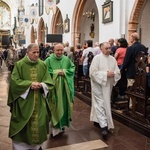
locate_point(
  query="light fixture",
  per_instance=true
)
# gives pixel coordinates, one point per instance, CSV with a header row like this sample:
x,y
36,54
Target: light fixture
x,y
59,24
21,7
45,30
89,14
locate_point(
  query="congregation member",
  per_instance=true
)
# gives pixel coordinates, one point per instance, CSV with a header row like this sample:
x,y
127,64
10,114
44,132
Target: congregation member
x,y
99,48
12,58
22,52
45,51
96,49
78,47
116,43
41,48
104,74
61,70
84,45
119,55
77,60
84,58
5,53
66,48
1,59
71,53
30,85
130,61
1,56
112,45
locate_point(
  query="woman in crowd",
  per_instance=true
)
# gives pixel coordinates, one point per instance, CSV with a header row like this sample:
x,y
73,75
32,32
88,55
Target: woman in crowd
x,y
119,55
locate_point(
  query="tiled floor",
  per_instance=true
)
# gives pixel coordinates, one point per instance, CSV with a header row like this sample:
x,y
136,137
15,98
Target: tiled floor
x,y
82,135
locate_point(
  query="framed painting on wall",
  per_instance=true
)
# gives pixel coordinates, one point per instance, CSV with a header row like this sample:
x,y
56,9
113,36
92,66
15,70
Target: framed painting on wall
x,y
107,12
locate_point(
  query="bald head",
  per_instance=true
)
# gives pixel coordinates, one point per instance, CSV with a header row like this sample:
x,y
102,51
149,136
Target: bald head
x,y
96,44
135,37
67,44
59,49
105,48
111,42
58,45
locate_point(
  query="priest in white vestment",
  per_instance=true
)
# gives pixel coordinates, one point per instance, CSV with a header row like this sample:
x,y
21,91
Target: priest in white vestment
x,y
104,74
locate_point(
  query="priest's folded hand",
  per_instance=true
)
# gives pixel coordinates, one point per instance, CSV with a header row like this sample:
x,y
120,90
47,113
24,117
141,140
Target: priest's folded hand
x,y
61,73
36,85
110,73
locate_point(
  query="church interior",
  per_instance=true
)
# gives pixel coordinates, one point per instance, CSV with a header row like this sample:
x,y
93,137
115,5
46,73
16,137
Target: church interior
x,y
75,21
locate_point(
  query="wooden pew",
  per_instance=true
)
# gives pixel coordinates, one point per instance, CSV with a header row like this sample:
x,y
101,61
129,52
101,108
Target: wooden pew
x,y
87,82
139,92
138,118
120,103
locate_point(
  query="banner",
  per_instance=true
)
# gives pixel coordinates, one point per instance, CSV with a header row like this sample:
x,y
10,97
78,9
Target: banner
x,y
26,21
33,12
50,4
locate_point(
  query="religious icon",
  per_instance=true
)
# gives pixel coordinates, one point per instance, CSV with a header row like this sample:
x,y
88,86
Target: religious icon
x,y
107,12
92,34
67,24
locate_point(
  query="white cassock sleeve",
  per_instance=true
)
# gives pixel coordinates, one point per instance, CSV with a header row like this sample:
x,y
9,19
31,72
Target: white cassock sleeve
x,y
45,89
24,95
99,76
117,74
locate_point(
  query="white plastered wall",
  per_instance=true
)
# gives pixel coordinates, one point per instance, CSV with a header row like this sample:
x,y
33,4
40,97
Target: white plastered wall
x,y
145,25
119,26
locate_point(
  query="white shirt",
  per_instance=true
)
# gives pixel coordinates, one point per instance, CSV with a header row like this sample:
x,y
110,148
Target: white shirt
x,y
85,55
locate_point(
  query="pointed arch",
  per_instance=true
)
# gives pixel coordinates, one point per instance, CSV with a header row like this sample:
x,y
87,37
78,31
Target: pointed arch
x,y
57,26
41,31
81,25
134,18
78,11
33,34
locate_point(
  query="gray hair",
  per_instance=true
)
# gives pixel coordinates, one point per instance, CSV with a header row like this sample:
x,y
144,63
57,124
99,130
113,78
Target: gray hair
x,y
30,46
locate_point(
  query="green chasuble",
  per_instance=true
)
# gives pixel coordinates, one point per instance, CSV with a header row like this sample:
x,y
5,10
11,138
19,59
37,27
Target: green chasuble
x,y
30,116
61,102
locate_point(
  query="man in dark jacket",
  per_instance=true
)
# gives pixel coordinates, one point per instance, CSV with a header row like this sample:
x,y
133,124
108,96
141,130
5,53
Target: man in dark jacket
x,y
130,59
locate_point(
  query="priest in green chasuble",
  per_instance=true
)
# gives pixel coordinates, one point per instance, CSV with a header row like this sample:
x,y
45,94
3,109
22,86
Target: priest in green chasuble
x,y
29,88
62,71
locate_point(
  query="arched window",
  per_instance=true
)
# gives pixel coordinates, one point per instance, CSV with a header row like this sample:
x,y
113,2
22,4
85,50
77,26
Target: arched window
x,y
4,16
